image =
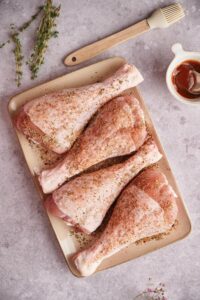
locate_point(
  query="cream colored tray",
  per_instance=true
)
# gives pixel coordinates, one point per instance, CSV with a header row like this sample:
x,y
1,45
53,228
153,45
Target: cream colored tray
x,y
36,159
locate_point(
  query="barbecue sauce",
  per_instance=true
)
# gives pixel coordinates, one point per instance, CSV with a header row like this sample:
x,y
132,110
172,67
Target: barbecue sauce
x,y
181,77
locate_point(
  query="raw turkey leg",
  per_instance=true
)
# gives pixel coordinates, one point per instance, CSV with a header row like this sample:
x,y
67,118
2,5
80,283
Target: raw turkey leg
x,y
55,120
84,201
118,129
136,215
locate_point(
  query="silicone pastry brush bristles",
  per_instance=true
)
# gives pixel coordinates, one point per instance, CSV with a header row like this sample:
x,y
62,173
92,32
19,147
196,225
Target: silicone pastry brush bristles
x,y
173,13
164,17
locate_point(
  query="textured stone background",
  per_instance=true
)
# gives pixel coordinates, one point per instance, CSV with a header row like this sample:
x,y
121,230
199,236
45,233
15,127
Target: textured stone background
x,y
31,263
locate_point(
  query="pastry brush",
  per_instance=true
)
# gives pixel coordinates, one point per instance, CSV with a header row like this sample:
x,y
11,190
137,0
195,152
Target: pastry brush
x,y
161,18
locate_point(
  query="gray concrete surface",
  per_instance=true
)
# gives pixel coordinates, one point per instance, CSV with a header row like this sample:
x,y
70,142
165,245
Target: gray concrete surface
x,y
31,263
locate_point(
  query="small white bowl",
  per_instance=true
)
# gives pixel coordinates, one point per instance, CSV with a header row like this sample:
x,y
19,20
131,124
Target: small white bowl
x,y
180,56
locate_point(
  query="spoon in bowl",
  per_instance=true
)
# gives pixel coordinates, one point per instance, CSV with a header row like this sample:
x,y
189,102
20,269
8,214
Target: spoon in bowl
x,y
194,87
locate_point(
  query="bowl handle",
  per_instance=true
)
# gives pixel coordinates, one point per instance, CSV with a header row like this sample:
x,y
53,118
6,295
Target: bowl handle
x,y
177,49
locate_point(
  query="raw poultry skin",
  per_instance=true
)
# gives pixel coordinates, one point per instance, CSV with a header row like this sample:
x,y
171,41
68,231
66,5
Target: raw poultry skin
x,y
84,201
145,208
118,129
55,120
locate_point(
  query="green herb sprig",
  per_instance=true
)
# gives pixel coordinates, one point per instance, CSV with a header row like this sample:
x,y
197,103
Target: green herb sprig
x,y
15,38
24,26
45,31
28,23
4,43
18,57
18,47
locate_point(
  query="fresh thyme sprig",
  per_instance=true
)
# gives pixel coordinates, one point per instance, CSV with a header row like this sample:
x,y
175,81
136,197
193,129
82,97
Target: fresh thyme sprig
x,y
28,23
24,26
45,31
18,56
4,43
15,38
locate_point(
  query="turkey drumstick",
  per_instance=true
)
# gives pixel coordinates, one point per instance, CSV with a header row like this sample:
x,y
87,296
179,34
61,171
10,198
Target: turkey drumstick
x,y
145,208
55,120
118,129
84,201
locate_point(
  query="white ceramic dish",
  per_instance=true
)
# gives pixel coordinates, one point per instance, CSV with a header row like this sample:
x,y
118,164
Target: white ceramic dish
x,y
180,56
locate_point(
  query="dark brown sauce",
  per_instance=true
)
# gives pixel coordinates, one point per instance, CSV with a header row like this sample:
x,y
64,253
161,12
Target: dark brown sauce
x,y
181,78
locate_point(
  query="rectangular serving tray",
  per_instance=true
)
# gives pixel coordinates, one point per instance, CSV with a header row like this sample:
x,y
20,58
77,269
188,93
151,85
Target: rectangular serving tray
x,y
37,158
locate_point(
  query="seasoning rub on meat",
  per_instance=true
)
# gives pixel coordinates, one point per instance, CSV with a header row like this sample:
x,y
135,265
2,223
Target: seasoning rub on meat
x,y
118,129
145,208
84,201
55,120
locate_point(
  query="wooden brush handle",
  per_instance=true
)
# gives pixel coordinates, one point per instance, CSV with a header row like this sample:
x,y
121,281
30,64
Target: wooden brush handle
x,y
98,47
